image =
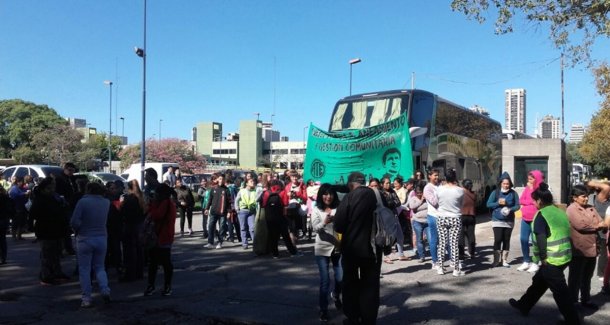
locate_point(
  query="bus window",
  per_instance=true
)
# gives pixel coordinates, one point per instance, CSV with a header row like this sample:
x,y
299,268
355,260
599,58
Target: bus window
x,y
421,115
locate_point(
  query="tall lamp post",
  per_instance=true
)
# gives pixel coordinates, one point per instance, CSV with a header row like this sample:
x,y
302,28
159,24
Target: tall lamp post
x,y
351,63
109,83
141,52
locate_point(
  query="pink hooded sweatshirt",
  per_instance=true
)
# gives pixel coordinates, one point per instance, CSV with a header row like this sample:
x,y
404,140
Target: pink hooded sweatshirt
x,y
528,206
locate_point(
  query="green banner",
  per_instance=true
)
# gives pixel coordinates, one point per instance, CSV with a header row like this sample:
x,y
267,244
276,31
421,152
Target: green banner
x,y
384,149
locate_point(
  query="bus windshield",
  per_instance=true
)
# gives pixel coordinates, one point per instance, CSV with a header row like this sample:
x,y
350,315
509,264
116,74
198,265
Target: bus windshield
x,y
364,113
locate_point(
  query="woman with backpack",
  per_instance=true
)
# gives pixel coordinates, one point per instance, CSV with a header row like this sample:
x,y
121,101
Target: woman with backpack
x,y
504,201
274,199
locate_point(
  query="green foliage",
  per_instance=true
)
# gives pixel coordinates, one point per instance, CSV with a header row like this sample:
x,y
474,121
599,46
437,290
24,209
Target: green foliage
x,y
573,25
20,121
574,153
166,150
58,144
595,146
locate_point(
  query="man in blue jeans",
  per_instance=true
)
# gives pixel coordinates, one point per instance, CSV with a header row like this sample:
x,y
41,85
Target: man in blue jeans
x,y
432,200
218,207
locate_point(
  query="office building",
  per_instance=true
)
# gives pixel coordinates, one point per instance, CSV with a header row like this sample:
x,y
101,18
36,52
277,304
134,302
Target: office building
x,y
515,109
550,127
247,148
577,132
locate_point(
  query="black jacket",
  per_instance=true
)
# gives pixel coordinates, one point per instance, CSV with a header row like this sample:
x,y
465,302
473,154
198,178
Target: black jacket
x,y
49,216
184,194
220,200
354,219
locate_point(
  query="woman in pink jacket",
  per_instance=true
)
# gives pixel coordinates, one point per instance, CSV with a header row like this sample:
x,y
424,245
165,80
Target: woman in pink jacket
x,y
528,212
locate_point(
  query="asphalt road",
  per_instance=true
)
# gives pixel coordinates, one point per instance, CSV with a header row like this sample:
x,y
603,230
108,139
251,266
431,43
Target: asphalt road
x,y
232,286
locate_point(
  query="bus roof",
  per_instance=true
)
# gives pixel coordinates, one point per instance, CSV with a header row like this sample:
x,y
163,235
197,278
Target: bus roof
x,y
397,92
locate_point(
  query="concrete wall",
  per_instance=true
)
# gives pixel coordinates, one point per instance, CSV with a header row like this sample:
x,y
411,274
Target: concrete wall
x,y
553,149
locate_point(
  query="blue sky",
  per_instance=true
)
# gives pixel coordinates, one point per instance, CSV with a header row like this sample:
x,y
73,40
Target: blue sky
x,y
226,60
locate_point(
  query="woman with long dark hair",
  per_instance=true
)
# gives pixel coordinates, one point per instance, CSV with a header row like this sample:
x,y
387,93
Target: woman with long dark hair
x,y
326,248
393,203
504,201
132,214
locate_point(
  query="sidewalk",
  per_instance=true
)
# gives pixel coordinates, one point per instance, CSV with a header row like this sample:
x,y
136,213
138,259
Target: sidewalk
x,y
232,286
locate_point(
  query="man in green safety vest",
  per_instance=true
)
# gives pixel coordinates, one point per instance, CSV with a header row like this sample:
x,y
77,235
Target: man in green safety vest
x,y
553,250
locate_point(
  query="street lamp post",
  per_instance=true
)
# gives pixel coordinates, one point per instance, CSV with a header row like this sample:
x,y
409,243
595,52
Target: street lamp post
x,y
160,120
109,83
122,127
141,52
271,144
351,63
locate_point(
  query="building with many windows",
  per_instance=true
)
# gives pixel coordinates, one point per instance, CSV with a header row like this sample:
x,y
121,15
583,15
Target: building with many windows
x,y
515,109
550,127
255,145
577,132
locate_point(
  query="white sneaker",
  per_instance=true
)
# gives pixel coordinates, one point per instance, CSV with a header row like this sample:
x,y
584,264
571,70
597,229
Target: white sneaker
x,y
219,246
440,270
434,265
523,267
533,268
458,273
208,245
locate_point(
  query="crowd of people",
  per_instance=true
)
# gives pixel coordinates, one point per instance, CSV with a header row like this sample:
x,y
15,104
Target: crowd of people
x,y
436,221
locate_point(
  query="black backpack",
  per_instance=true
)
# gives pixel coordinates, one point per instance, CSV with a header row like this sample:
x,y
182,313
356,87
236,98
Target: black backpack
x,y
274,205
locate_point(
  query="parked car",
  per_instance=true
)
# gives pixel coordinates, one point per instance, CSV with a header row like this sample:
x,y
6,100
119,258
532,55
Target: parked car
x,y
134,172
33,170
102,178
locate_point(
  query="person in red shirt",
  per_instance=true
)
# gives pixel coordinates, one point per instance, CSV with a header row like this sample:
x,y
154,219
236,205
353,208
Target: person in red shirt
x,y
162,210
296,192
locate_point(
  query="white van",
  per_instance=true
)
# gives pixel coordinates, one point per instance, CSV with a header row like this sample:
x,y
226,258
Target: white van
x,y
134,171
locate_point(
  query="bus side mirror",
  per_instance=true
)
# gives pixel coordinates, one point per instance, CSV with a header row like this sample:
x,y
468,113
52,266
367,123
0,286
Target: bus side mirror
x,y
416,131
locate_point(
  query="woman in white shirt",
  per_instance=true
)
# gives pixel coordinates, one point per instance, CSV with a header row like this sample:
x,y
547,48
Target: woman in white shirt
x,y
326,249
450,199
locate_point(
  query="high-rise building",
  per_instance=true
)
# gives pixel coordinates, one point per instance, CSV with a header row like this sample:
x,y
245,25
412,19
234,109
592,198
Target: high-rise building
x,y
577,132
515,110
550,127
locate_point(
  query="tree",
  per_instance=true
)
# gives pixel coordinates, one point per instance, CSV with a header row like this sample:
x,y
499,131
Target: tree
x,y
595,146
574,24
166,150
20,121
573,150
59,144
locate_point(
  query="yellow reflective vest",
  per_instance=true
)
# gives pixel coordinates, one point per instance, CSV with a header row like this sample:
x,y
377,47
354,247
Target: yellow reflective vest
x,y
559,247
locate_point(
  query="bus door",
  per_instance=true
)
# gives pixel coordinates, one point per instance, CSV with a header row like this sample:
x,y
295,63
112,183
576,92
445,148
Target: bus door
x,y
417,163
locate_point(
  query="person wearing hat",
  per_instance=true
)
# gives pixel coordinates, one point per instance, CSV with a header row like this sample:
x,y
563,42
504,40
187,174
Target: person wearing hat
x,y
504,201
